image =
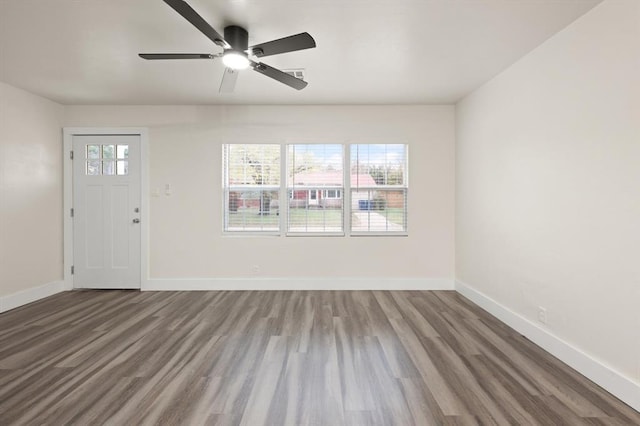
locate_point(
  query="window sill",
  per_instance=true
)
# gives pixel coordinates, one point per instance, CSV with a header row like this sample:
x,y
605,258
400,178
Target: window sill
x,y
315,234
379,234
241,234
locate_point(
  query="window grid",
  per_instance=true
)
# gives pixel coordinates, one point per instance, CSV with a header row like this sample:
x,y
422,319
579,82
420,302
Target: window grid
x,y
319,198
313,169
378,188
107,160
251,187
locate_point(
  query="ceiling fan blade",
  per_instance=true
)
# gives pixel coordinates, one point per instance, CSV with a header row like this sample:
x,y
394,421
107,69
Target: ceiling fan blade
x,y
197,21
283,45
281,76
228,80
152,56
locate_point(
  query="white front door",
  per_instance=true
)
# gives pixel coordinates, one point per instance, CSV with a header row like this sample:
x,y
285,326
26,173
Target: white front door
x,y
313,197
106,207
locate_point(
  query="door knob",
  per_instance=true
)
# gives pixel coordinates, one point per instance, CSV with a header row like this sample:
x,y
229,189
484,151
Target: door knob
x,y
136,220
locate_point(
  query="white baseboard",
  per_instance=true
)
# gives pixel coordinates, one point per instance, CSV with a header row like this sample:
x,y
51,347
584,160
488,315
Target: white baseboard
x,y
614,382
33,294
210,284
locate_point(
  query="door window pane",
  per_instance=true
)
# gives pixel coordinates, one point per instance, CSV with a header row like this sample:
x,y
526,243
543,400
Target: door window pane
x,y
93,167
93,152
122,151
122,168
108,168
108,151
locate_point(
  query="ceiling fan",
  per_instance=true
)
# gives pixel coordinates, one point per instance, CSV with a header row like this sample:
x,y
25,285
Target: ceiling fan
x,y
236,50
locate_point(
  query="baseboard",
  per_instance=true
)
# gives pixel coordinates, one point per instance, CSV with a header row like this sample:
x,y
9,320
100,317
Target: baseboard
x,y
30,295
191,284
614,382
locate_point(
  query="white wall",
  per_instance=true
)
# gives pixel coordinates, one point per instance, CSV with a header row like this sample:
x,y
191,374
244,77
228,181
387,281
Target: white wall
x,y
186,227
30,192
548,187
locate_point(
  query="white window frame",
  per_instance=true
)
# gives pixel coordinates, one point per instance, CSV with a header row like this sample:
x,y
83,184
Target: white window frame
x,y
318,189
226,189
337,194
404,187
286,193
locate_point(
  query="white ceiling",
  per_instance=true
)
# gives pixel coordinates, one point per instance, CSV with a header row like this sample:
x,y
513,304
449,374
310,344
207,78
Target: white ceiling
x,y
369,51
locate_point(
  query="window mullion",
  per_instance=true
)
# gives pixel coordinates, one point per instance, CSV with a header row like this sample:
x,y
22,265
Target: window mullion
x,y
346,191
284,190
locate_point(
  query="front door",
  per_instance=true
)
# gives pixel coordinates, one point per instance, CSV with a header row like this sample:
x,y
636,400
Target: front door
x,y
313,197
106,207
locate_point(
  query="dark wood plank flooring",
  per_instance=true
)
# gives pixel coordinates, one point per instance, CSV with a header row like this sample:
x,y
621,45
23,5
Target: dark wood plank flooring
x,y
283,358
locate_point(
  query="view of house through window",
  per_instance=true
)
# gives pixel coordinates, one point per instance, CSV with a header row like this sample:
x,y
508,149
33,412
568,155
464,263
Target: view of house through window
x,y
312,199
378,188
314,170
252,187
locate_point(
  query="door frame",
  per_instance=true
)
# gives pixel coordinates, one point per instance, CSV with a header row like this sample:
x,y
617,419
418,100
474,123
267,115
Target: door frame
x,y
67,147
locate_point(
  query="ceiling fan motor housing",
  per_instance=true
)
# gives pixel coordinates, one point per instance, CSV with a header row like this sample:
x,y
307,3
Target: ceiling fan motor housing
x,y
236,49
237,37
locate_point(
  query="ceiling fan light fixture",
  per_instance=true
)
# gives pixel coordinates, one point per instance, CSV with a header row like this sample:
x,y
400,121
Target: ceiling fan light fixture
x,y
235,60
236,49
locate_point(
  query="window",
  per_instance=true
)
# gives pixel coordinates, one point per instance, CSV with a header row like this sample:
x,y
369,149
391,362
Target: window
x,y
251,187
107,160
331,193
378,188
300,189
314,170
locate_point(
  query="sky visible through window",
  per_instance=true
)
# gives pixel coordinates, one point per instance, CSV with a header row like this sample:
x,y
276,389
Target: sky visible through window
x,y
378,154
329,156
313,199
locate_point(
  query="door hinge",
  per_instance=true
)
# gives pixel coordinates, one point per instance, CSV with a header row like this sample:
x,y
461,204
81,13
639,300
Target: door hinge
x,y
72,212
72,269
71,155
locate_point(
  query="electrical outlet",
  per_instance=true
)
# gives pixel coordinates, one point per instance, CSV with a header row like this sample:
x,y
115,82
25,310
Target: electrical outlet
x,y
542,314
255,269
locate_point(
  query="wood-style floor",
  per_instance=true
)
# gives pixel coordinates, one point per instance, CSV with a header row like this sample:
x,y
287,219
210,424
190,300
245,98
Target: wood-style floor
x,y
282,358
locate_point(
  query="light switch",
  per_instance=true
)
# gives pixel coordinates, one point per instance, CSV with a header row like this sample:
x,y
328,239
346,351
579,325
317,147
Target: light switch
x,y
167,189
